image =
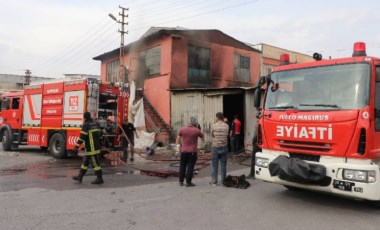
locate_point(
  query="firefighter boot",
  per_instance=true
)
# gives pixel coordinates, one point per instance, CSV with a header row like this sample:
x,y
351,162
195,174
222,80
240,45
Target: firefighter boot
x,y
99,178
79,178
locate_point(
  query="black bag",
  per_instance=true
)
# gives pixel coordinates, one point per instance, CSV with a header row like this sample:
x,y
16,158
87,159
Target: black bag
x,y
236,182
297,170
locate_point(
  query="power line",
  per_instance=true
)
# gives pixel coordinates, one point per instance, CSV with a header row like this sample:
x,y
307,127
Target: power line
x,y
95,52
161,10
73,46
199,14
79,47
66,56
82,48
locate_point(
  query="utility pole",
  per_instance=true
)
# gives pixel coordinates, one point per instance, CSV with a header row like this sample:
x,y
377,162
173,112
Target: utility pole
x,y
122,32
28,75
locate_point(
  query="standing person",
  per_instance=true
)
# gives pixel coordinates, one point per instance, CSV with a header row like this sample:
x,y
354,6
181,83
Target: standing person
x,y
229,130
235,134
90,135
187,143
219,148
255,148
129,130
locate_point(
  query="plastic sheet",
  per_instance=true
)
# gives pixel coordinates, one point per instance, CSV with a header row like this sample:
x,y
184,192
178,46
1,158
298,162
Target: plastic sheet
x,y
297,170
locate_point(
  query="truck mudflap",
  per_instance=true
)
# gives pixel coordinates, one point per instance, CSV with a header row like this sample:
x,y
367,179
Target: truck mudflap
x,y
299,171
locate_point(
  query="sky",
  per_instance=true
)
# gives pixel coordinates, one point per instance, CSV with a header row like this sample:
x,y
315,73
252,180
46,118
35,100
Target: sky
x,y
56,37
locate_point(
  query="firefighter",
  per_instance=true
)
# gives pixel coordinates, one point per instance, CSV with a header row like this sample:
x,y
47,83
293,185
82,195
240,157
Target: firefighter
x,y
256,148
90,135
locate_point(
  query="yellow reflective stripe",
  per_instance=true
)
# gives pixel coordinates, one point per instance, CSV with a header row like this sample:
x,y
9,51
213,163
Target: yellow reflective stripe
x,y
92,147
83,132
96,166
80,139
95,130
92,153
84,167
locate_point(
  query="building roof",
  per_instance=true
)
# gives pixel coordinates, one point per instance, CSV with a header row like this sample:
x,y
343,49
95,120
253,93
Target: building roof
x,y
12,78
200,35
274,52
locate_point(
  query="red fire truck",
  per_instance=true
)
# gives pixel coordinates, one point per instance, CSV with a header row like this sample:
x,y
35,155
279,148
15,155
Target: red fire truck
x,y
320,125
50,115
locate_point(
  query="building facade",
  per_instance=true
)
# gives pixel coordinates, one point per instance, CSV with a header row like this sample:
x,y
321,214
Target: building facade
x,y
181,71
270,57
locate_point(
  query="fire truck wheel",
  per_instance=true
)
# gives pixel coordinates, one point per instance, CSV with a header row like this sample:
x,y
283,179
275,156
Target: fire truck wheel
x,y
57,146
6,141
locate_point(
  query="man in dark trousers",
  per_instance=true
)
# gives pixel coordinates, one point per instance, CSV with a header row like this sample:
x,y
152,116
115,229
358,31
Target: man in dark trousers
x,y
90,135
235,134
255,148
187,144
130,131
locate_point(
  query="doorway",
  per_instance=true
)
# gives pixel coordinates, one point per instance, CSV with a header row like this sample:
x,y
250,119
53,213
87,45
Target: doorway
x,y
233,104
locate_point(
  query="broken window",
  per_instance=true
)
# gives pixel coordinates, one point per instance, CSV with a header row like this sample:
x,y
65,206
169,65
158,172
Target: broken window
x,y
242,68
150,61
199,65
113,71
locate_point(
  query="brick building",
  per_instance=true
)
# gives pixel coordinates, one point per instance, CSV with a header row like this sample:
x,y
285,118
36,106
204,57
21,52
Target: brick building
x,y
186,73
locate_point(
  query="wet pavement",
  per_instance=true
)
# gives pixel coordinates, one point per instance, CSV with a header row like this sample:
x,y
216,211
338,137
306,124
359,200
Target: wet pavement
x,y
55,174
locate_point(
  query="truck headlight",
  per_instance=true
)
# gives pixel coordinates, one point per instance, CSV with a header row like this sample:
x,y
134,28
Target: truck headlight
x,y
262,162
359,175
371,176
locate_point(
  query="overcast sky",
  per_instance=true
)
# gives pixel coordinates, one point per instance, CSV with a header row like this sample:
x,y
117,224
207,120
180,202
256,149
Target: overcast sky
x,y
54,37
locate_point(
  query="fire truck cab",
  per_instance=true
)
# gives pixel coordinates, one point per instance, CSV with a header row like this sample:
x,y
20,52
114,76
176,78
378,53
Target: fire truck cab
x,y
320,126
50,114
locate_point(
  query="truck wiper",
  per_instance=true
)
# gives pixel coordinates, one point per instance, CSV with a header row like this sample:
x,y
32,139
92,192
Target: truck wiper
x,y
283,107
323,105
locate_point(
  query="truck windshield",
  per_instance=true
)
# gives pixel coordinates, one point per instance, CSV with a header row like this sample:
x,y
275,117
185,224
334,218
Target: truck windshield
x,y
320,88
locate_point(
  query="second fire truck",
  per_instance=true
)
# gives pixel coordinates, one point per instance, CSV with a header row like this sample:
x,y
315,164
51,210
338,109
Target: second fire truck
x,y
50,115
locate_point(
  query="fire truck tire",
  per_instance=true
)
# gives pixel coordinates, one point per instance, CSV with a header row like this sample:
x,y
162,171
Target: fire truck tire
x,y
57,146
6,141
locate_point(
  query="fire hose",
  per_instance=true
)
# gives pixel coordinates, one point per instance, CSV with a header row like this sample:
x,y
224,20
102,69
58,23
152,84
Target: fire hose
x,y
115,160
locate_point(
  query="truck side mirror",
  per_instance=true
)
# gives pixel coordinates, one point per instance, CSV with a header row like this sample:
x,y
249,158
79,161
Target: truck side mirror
x,y
257,97
257,94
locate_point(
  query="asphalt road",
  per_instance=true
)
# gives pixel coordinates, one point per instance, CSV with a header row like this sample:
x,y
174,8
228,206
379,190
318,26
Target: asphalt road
x,y
129,200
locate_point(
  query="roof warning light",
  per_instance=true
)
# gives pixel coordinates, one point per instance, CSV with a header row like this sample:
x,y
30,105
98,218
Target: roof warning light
x,y
359,49
284,59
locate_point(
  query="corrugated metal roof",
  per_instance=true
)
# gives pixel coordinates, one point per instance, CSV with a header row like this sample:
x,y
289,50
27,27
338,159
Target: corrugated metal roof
x,y
197,35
